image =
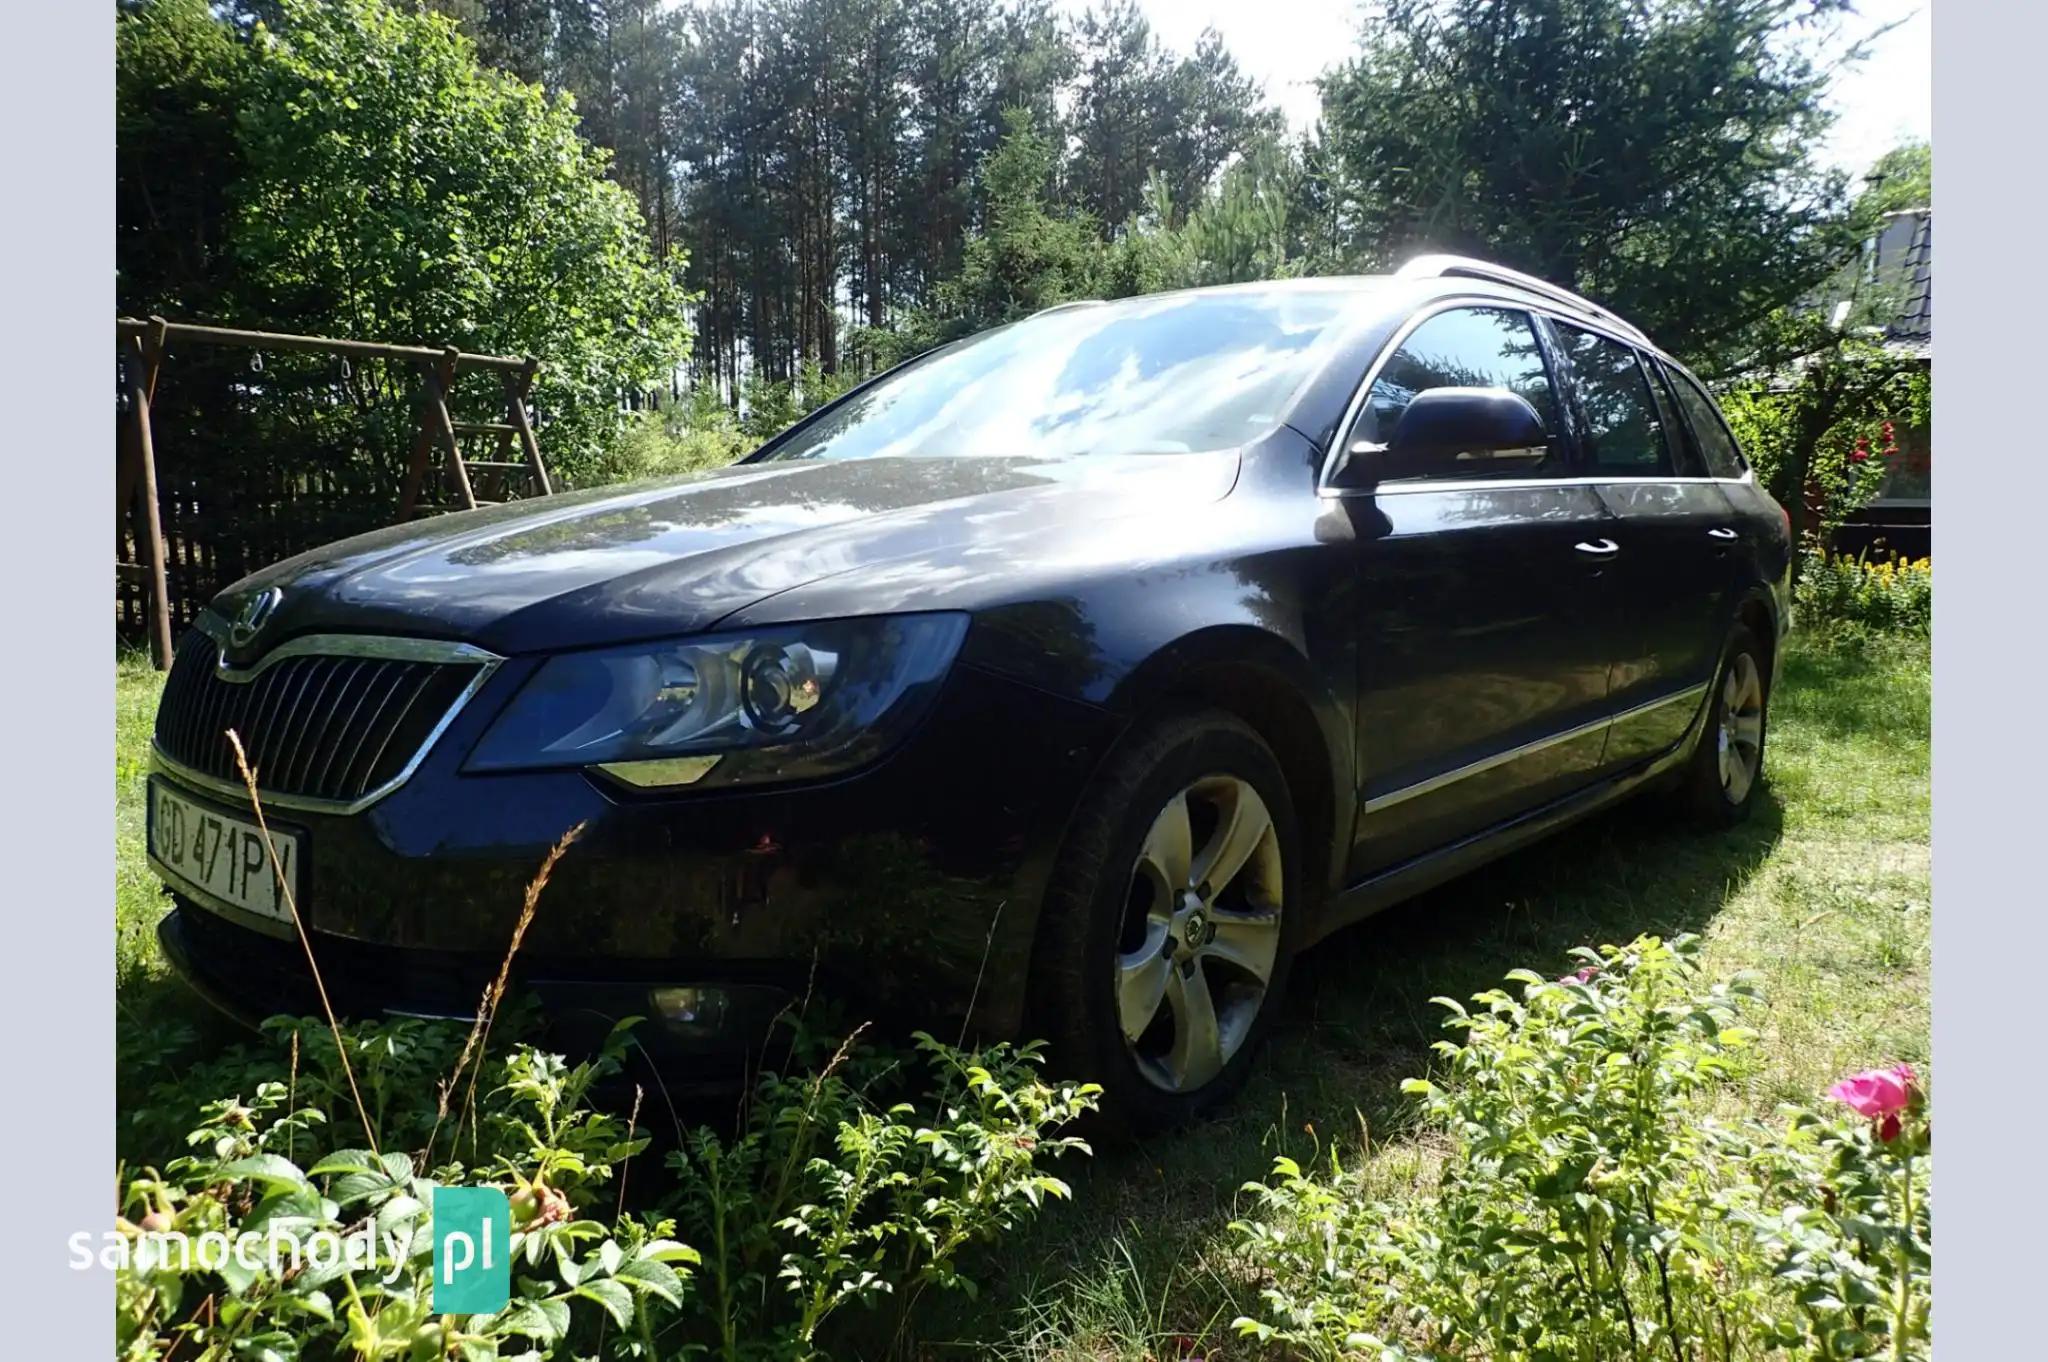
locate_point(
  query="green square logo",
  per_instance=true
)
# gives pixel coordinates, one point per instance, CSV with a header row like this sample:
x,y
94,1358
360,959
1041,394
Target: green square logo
x,y
472,1250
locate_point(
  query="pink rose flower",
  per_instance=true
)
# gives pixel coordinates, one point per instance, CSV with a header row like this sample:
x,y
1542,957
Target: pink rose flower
x,y
1582,975
1876,1092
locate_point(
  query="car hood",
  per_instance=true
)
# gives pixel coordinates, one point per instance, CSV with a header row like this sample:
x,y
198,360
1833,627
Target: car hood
x,y
618,564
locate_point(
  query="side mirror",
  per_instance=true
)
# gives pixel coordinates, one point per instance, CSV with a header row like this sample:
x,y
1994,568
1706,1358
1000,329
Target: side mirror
x,y
1452,431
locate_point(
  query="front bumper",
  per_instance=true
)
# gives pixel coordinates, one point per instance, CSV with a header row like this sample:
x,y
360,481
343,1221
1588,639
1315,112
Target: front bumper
x,y
695,1035
909,891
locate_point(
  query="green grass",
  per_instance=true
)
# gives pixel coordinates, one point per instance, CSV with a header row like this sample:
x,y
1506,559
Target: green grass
x,y
1823,895
154,1013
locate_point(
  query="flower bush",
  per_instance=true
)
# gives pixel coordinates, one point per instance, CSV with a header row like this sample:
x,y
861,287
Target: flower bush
x,y
1594,1205
1886,594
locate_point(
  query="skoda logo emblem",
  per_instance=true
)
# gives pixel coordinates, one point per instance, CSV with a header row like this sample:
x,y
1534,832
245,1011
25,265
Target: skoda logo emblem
x,y
255,613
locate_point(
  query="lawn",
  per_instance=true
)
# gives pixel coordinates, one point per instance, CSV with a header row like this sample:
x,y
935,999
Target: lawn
x,y
1823,895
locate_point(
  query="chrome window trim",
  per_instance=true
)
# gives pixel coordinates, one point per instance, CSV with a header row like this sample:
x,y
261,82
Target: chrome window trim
x,y
334,645
1334,454
1527,749
1521,484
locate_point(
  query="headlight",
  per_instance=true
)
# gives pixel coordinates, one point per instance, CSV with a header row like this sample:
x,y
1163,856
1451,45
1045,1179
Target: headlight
x,y
785,703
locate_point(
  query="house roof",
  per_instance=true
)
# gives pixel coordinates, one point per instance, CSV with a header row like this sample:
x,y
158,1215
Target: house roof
x,y
1900,259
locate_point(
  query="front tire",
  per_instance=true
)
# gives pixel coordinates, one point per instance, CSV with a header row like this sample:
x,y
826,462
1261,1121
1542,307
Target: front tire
x,y
1171,919
1727,766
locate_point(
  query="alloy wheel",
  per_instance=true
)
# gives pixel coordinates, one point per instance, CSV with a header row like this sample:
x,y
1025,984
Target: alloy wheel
x,y
1201,932
1741,738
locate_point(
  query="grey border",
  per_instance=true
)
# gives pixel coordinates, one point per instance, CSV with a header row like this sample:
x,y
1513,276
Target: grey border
x,y
57,242
1990,929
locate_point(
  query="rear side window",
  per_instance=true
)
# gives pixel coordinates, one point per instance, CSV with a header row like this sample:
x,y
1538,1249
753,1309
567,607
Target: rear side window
x,y
1709,431
1620,426
1684,453
1466,347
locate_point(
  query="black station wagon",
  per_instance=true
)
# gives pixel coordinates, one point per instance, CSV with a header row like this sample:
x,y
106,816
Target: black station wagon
x,y
1065,681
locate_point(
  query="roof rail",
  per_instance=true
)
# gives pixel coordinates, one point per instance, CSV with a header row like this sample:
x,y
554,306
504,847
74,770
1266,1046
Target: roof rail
x,y
1068,305
1465,267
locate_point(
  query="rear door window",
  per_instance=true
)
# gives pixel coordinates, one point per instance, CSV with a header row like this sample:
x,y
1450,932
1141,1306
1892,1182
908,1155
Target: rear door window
x,y
1684,453
1618,417
1717,446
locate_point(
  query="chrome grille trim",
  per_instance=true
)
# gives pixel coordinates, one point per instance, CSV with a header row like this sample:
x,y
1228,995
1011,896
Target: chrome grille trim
x,y
335,718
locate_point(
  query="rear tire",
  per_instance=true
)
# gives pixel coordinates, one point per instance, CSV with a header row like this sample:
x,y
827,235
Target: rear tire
x,y
1171,919
1727,767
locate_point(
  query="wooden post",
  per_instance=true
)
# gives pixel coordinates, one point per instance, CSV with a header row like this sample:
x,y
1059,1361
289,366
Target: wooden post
x,y
140,359
445,424
422,448
516,389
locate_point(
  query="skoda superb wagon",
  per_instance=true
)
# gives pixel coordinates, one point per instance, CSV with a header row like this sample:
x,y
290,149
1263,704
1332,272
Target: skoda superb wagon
x,y
1067,681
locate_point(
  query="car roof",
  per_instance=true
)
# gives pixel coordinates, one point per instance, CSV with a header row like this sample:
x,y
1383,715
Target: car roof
x,y
1411,290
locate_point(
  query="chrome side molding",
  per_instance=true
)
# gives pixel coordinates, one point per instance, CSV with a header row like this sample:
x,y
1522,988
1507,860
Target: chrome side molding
x,y
1527,749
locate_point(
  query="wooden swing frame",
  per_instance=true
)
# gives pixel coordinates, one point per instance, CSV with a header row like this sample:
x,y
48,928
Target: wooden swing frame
x,y
142,346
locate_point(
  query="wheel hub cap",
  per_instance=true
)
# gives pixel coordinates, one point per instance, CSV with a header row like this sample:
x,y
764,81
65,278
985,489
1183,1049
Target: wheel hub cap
x,y
1201,932
1739,742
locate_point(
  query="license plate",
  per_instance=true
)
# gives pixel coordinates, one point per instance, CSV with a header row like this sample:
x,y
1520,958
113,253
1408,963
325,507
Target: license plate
x,y
200,847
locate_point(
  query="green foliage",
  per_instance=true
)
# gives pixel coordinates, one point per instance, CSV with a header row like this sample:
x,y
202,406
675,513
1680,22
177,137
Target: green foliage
x,y
365,177
1141,114
1592,1204
679,439
1889,595
1030,255
861,1179
272,1166
1902,178
1259,223
1827,432
702,432
1589,142
178,94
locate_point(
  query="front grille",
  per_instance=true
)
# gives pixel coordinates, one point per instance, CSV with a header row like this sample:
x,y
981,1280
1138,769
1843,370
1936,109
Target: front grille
x,y
327,726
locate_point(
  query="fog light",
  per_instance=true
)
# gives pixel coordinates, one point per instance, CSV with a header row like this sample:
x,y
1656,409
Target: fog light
x,y
691,1009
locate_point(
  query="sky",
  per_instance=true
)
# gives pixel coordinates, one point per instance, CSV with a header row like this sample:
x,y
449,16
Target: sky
x,y
1287,43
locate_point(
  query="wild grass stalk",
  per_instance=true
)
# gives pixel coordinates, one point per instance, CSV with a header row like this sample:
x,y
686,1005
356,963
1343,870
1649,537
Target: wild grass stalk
x,y
305,943
474,1044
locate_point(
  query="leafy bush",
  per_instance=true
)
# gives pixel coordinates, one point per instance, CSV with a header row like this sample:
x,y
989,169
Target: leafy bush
x,y
703,432
1591,1204
830,1195
348,168
831,1198
1887,594
673,442
1827,443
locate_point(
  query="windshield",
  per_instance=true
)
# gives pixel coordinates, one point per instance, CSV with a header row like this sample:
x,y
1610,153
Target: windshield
x,y
1173,373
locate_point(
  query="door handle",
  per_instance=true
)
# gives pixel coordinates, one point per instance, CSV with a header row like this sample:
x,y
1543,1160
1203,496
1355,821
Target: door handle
x,y
1722,532
1597,548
